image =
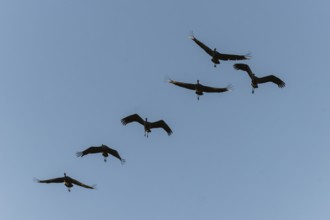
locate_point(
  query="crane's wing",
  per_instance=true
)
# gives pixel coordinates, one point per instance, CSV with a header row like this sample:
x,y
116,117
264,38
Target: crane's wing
x,y
114,153
184,85
76,182
244,67
90,150
55,180
273,79
132,118
214,89
203,46
222,56
161,124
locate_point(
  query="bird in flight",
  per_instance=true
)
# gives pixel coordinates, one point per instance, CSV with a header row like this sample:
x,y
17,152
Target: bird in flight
x,y
258,80
216,56
147,125
68,182
199,88
104,149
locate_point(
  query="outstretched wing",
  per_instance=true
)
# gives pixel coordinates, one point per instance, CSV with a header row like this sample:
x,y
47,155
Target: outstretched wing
x,y
219,56
184,85
244,67
203,46
76,182
161,124
90,150
273,79
214,89
114,153
55,180
132,118
222,56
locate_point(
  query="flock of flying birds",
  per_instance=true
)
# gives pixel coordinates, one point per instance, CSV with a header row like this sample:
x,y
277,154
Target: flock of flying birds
x,y
199,90
216,57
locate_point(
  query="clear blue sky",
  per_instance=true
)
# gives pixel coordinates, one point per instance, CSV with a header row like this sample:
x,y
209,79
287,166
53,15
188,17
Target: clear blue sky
x,y
70,70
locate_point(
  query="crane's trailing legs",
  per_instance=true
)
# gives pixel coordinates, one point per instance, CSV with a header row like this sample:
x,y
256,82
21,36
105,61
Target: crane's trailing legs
x,y
214,60
146,134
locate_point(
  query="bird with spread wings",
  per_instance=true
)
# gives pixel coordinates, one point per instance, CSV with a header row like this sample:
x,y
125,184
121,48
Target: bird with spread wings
x,y
258,80
68,182
147,125
216,56
199,88
104,149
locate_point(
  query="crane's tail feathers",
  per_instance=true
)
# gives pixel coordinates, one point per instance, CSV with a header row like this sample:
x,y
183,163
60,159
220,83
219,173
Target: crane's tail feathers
x,y
123,161
79,154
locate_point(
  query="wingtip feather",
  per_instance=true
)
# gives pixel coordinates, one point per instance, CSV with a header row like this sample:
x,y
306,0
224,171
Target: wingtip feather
x,y
236,66
168,79
240,66
123,161
229,88
248,56
191,36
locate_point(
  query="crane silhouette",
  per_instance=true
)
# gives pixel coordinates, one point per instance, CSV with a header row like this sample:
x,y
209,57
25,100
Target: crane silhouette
x,y
199,88
104,149
68,182
216,56
147,125
258,80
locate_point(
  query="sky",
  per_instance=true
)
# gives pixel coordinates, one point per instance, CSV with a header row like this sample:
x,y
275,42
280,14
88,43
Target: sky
x,y
71,69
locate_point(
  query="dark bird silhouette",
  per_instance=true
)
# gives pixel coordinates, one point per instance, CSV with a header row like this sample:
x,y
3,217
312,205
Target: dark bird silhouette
x,y
256,80
68,182
216,56
199,88
104,149
147,125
